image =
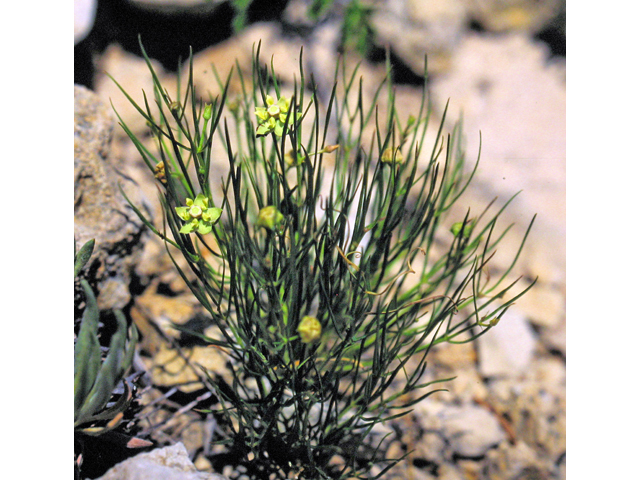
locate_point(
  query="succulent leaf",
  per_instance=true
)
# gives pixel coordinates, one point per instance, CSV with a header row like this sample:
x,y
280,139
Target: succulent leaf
x,y
82,257
87,350
118,360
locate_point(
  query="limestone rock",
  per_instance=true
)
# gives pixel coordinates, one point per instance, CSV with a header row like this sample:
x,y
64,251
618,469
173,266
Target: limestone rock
x,y
507,90
427,441
237,53
471,430
179,6
508,348
132,73
537,413
84,15
517,461
100,210
415,28
168,368
169,463
448,430
556,338
515,15
544,305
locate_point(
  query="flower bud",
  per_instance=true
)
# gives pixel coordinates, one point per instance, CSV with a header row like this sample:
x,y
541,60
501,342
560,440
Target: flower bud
x,y
457,227
389,156
330,148
207,112
269,217
309,329
174,107
289,160
234,106
159,173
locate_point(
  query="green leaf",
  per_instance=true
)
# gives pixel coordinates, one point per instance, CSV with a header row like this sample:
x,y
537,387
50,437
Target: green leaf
x,y
83,257
86,351
109,375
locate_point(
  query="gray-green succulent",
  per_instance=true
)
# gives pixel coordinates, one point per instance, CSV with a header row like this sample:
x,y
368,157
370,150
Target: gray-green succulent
x,y
96,375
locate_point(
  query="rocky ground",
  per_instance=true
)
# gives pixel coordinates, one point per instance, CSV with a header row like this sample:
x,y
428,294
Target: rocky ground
x,y
501,65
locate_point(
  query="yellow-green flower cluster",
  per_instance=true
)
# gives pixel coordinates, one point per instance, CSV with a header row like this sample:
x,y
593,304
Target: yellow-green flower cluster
x,y
309,329
392,156
199,217
466,228
270,218
273,117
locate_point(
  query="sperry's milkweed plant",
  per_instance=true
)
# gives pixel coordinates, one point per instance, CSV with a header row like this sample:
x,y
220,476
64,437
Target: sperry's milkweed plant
x,y
316,256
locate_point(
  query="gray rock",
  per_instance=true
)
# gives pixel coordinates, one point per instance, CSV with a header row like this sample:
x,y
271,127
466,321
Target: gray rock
x,y
537,413
471,430
413,28
556,338
100,210
169,463
519,461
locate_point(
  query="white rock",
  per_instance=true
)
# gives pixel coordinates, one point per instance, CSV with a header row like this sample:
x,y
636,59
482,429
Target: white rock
x,y
84,14
471,430
132,73
517,461
515,15
415,28
544,304
506,88
169,463
178,6
508,348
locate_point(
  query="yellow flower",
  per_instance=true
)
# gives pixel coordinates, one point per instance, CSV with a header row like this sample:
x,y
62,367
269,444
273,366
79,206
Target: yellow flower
x,y
198,215
309,329
389,156
272,118
458,227
160,173
269,217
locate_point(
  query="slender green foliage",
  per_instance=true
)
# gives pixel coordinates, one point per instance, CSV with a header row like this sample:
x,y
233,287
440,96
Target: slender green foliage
x,y
331,270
